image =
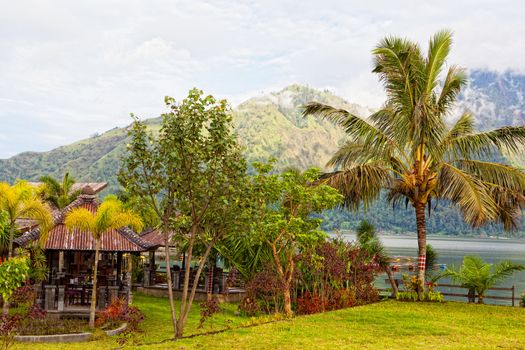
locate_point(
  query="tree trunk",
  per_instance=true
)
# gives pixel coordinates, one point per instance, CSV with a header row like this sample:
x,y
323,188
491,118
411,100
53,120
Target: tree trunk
x,y
481,298
11,238
422,248
390,275
93,305
170,283
287,301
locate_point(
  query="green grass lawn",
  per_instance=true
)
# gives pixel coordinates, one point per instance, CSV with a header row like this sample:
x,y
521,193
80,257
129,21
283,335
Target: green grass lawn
x,y
384,325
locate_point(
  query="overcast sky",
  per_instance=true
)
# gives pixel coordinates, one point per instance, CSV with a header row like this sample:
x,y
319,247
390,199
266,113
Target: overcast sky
x,y
69,69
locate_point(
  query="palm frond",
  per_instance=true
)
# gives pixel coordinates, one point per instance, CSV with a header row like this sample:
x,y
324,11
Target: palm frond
x,y
454,82
360,183
503,270
80,218
468,193
483,144
438,50
498,174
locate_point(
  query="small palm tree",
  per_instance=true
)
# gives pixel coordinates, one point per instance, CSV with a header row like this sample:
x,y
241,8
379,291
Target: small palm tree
x,y
477,275
59,194
407,148
21,201
110,215
369,242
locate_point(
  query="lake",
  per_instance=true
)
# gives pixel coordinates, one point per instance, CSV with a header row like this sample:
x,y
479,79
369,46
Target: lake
x,y
452,250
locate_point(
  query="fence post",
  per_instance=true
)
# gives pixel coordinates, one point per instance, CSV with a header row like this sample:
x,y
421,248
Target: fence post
x,y
512,295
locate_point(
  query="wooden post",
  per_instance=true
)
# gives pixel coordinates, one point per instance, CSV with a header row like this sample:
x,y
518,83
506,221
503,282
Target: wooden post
x,y
119,268
129,278
512,295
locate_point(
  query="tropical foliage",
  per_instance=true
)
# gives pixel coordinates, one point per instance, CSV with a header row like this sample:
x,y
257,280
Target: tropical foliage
x,y
21,201
111,214
476,274
60,194
368,240
408,149
283,219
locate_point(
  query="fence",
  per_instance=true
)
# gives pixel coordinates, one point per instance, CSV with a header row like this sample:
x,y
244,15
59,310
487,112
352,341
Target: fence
x,y
512,298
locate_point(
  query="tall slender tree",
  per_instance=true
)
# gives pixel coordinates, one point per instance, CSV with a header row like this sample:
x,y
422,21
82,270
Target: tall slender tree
x,y
109,215
408,149
191,175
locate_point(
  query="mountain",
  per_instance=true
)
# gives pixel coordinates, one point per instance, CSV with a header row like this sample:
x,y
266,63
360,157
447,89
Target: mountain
x,y
269,125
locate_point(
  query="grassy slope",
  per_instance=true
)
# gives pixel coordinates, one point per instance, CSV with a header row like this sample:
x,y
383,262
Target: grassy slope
x,y
385,325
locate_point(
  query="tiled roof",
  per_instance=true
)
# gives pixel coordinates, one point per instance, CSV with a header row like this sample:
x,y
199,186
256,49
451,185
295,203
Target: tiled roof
x,y
154,237
84,187
60,238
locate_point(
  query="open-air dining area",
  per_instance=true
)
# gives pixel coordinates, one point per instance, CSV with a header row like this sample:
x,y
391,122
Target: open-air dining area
x,y
70,256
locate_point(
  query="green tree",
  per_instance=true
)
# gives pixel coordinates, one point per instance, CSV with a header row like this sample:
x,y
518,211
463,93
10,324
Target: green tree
x,y
21,201
60,194
479,276
284,222
191,175
369,241
13,273
110,215
407,148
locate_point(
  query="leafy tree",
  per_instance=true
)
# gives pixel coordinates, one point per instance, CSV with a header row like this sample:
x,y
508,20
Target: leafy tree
x,y
110,215
21,201
285,204
13,273
369,241
135,203
60,194
191,174
479,276
407,148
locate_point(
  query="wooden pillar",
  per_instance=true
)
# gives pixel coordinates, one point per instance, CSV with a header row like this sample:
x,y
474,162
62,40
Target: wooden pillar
x,y
119,267
60,261
129,278
152,266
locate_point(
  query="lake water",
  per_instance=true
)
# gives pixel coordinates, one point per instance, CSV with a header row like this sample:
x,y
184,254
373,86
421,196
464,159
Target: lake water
x,y
452,250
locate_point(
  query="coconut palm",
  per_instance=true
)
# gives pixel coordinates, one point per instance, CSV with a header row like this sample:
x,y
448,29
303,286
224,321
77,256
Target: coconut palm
x,y
110,215
369,242
408,149
477,275
60,194
21,201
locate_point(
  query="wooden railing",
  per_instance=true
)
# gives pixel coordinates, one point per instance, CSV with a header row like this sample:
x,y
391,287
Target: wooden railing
x,y
511,298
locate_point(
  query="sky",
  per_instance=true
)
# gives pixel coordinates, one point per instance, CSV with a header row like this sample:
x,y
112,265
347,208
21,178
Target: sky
x,y
69,69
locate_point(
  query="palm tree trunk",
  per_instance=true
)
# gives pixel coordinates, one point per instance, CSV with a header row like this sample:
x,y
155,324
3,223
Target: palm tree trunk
x,y
390,275
93,305
11,238
422,249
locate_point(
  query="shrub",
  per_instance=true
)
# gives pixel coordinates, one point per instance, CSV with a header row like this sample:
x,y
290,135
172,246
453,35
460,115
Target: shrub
x,y
8,327
264,293
208,309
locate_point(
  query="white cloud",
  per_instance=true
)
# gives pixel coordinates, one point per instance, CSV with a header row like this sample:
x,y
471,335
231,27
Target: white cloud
x,y
74,68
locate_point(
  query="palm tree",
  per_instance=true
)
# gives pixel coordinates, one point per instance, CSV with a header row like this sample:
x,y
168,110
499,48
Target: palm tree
x,y
59,194
477,275
407,148
369,242
110,215
21,201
